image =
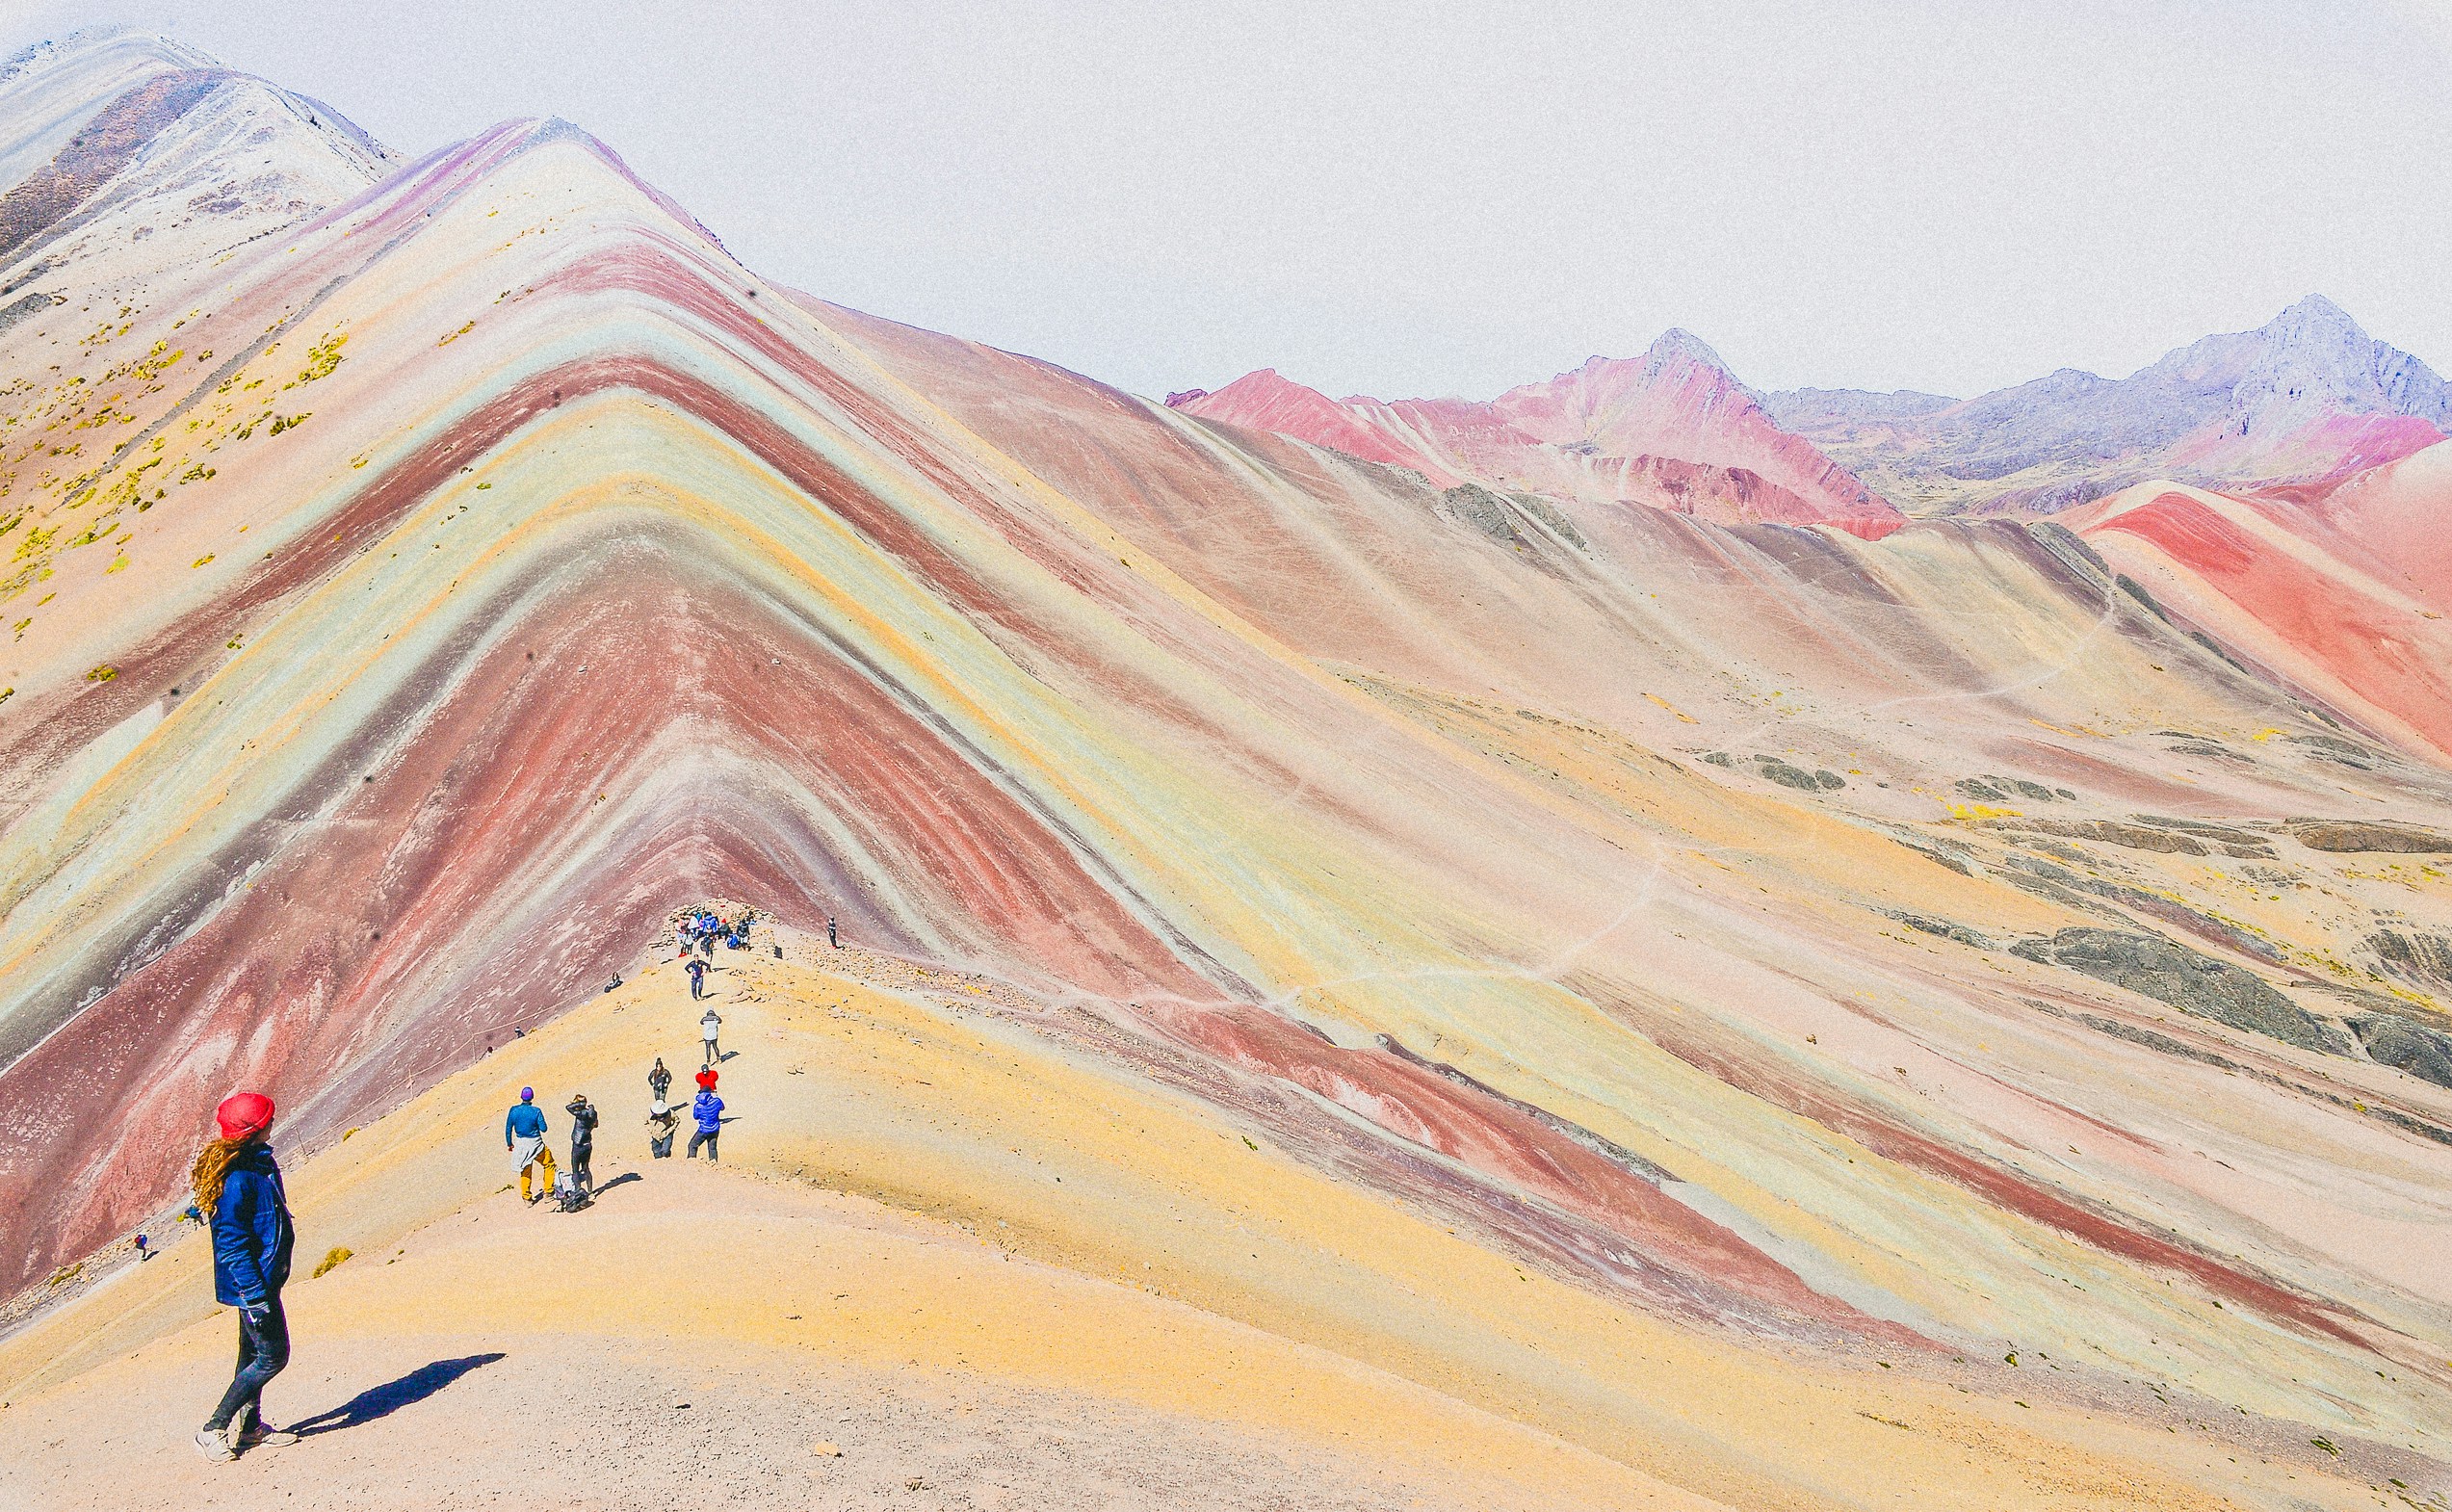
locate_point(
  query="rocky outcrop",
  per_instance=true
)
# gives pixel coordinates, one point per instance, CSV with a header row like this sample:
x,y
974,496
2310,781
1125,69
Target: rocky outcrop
x,y
2189,980
2392,1040
2421,959
2352,837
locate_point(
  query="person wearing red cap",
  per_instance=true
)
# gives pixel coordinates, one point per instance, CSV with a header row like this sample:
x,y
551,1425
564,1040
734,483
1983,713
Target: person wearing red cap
x,y
238,1190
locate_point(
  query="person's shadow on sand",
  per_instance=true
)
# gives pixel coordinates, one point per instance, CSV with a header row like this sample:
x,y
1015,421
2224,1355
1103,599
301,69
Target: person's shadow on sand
x,y
380,1401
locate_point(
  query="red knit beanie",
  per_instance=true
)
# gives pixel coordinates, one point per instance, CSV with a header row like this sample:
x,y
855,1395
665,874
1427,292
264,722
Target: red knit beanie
x,y
246,1113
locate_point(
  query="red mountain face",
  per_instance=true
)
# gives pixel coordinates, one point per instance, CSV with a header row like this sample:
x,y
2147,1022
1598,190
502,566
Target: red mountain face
x,y
1670,429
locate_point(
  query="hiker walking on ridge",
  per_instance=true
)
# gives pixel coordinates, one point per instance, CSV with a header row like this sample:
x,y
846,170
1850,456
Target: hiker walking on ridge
x,y
697,970
659,1080
238,1187
709,1024
662,1119
707,1110
524,1136
583,1141
830,935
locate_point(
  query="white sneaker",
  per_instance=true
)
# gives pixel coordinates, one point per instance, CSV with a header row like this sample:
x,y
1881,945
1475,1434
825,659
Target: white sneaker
x,y
214,1444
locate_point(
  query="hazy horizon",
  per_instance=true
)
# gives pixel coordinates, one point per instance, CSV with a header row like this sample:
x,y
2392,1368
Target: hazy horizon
x,y
1425,199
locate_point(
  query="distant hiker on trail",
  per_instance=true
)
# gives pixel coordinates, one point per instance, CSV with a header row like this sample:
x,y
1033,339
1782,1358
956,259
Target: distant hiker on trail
x,y
709,1023
524,1136
238,1182
659,1080
583,1141
707,1110
663,1119
697,977
830,935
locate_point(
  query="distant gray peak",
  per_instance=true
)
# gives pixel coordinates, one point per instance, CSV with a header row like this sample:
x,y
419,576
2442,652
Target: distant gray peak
x,y
1678,345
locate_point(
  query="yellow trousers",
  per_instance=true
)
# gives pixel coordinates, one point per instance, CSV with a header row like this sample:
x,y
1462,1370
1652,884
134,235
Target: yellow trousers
x,y
544,1158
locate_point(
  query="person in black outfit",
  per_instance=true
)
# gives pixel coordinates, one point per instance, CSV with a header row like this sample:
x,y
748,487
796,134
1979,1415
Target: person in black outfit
x,y
239,1196
583,1141
659,1080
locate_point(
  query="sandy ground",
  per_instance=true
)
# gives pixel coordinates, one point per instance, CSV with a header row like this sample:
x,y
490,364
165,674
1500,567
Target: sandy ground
x,y
970,1257
537,1416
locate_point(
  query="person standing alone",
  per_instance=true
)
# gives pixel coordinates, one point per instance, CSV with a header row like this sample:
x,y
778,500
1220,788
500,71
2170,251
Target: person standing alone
x,y
524,1136
238,1190
710,1023
707,1110
697,970
583,1141
659,1080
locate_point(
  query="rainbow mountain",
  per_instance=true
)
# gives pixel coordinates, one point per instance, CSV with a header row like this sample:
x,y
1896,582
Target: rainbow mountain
x,y
1965,942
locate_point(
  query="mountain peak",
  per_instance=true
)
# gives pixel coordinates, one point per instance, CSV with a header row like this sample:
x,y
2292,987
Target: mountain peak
x,y
1678,344
2315,309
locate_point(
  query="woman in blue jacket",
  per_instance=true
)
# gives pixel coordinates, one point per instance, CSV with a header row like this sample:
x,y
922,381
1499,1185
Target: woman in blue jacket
x,y
708,1111
238,1190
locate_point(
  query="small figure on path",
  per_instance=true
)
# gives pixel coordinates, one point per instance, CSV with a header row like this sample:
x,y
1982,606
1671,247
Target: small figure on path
x,y
524,1136
238,1183
659,1080
709,1023
830,935
583,1141
697,970
662,1120
707,1110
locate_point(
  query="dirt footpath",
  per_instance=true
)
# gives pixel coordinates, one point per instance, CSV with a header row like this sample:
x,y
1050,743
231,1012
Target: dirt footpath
x,y
437,1422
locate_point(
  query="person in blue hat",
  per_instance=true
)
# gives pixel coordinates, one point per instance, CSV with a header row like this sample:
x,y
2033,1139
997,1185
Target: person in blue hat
x,y
524,1136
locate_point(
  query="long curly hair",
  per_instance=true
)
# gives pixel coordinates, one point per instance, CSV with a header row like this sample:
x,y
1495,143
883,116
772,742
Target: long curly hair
x,y
212,1168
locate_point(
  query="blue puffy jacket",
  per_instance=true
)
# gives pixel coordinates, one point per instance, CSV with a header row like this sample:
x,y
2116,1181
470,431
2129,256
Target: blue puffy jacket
x,y
526,1120
710,1110
251,1233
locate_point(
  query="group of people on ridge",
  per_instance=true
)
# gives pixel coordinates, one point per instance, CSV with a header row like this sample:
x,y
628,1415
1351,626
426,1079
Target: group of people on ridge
x,y
706,1111
240,1202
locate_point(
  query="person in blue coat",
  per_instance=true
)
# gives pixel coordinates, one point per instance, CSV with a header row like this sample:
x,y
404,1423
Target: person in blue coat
x,y
524,1136
238,1192
708,1111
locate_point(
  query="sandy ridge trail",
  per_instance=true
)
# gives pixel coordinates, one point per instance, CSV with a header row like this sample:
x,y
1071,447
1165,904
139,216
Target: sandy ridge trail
x,y
993,1272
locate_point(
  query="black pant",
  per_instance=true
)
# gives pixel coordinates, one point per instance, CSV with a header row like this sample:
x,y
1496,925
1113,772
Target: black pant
x,y
579,1154
660,1146
263,1349
707,1138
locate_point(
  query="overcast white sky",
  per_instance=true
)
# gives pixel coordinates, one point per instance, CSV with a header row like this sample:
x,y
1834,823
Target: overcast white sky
x,y
1434,198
